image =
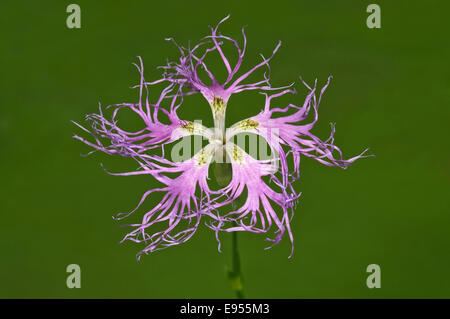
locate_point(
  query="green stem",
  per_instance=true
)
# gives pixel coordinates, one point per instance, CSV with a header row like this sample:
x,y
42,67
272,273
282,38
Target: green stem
x,y
236,275
223,174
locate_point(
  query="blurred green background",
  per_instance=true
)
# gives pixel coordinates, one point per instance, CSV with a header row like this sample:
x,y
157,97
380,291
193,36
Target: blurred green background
x,y
390,92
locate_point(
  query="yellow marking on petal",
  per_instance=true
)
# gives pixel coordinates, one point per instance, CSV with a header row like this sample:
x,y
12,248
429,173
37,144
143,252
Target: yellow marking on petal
x,y
203,157
218,105
201,161
237,154
189,126
248,124
193,128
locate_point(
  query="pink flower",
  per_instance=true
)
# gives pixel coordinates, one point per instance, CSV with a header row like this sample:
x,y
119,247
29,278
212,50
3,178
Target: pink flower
x,y
265,185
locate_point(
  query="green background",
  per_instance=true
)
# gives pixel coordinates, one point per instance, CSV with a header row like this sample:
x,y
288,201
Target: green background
x,y
390,92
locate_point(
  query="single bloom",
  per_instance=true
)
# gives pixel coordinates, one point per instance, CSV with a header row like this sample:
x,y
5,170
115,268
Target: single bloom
x,y
259,196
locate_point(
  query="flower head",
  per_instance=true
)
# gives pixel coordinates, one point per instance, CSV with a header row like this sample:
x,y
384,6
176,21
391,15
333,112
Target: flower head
x,y
260,196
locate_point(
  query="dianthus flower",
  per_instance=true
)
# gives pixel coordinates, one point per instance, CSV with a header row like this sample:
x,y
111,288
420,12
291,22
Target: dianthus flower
x,y
260,196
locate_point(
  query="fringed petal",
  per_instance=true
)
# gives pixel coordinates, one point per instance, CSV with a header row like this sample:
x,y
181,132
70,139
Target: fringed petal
x,y
186,198
154,134
186,70
256,215
287,132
